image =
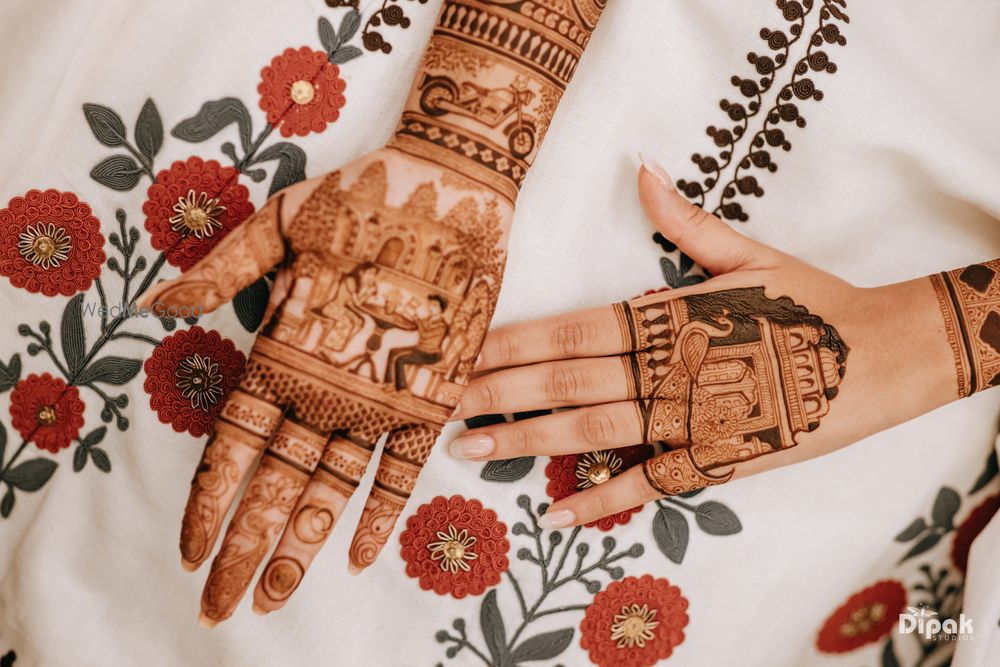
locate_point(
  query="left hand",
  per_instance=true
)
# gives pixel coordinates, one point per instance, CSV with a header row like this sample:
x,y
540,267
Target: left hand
x,y
728,375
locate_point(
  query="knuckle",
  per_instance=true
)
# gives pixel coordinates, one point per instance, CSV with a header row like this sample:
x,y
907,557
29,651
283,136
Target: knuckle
x,y
561,385
568,338
600,504
519,441
596,427
506,349
490,396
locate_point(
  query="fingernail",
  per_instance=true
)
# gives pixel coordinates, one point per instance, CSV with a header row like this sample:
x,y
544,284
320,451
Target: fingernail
x,y
458,408
556,519
260,611
479,362
354,570
472,446
188,565
656,170
206,622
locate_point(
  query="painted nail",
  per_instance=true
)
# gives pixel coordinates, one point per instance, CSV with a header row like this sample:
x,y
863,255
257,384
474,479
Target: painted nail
x,y
472,446
556,519
205,621
656,170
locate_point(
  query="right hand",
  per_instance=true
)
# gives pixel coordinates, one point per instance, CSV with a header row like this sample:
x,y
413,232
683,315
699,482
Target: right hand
x,y
389,272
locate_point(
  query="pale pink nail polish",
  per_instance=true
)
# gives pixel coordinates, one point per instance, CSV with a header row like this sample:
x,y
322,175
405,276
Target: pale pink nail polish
x,y
472,446
656,170
556,519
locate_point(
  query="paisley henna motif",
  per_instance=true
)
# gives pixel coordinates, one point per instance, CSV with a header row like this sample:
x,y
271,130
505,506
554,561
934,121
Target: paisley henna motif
x,y
730,375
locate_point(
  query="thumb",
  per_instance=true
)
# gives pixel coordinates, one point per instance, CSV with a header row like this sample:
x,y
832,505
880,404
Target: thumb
x,y
243,256
706,239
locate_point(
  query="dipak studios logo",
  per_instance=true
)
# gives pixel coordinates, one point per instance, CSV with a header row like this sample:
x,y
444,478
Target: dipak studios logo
x,y
921,620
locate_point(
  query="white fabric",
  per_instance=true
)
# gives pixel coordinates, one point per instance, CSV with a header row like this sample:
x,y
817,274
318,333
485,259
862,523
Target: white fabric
x,y
895,176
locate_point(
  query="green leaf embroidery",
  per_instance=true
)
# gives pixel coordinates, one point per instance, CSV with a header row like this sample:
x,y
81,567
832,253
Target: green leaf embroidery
x,y
507,470
149,130
544,646
716,519
72,334
494,632
106,125
11,373
671,532
910,532
118,172
945,506
212,118
31,475
113,370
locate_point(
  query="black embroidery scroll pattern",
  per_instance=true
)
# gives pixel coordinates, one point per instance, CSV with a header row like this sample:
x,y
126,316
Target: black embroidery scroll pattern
x,y
800,87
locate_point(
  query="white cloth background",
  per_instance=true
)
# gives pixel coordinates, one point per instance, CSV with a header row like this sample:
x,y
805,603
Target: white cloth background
x,y
895,176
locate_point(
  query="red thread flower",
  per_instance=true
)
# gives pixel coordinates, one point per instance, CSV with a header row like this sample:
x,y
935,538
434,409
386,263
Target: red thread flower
x,y
635,622
455,547
301,91
970,529
46,411
866,617
192,206
189,377
575,472
51,243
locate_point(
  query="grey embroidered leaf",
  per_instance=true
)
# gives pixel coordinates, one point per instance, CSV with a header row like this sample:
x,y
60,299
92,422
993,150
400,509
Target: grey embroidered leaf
x,y
716,519
11,373
345,53
31,475
507,470
118,172
671,532
250,303
212,118
328,36
494,632
149,130
113,370
106,125
910,532
291,164
543,647
72,334
945,506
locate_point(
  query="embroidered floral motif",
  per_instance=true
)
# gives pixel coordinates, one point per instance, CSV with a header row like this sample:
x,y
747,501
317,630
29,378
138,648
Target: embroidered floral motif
x,y
206,181
301,91
455,547
866,617
46,411
799,88
574,472
635,622
52,243
189,376
970,529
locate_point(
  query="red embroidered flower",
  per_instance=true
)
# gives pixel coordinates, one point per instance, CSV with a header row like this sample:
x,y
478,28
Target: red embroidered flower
x,y
575,472
51,243
189,377
192,206
455,546
866,617
302,91
46,411
970,529
635,622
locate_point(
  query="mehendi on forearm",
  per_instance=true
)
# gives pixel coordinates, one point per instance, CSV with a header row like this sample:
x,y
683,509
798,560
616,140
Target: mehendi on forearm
x,y
489,84
970,304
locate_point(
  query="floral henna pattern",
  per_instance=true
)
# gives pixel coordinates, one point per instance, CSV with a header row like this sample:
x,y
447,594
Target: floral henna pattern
x,y
970,304
52,243
734,373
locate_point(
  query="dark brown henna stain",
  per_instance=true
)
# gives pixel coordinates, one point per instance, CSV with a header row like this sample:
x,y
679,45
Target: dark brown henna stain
x,y
969,299
729,375
490,82
281,577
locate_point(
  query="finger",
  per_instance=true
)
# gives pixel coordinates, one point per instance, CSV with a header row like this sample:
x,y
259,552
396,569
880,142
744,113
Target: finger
x,y
286,466
243,256
587,429
669,473
406,450
547,385
238,437
710,242
319,508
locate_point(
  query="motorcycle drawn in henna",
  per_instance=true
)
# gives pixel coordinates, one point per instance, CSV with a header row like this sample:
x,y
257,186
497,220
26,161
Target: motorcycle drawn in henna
x,y
492,107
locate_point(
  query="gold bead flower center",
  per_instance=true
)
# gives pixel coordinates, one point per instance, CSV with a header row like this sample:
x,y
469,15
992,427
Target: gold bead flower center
x,y
196,214
46,415
303,92
44,244
862,620
634,626
199,381
453,549
594,468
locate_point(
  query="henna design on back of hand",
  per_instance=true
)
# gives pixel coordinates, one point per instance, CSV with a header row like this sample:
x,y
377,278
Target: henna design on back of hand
x,y
726,377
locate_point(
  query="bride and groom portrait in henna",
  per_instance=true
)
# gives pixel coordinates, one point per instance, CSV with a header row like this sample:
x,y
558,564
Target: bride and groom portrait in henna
x,y
388,271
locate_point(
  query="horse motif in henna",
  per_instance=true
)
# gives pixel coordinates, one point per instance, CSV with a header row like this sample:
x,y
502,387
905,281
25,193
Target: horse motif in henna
x,y
726,377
